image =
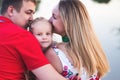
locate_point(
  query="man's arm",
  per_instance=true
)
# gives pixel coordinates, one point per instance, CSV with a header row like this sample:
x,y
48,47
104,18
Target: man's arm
x,y
47,72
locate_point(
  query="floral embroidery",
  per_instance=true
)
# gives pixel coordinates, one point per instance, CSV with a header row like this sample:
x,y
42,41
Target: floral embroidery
x,y
69,74
94,77
66,72
75,77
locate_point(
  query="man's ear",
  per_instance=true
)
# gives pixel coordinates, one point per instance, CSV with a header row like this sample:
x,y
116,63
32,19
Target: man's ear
x,y
10,11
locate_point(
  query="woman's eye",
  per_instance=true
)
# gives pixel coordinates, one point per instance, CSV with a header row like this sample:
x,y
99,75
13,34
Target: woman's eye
x,y
54,16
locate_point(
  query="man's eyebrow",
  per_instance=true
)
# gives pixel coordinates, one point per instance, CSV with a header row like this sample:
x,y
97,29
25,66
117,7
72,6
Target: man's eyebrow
x,y
31,11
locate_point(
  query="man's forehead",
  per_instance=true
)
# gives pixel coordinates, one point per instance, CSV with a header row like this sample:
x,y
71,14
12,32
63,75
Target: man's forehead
x,y
29,5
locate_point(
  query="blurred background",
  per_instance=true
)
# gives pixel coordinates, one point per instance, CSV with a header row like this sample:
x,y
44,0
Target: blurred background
x,y
105,16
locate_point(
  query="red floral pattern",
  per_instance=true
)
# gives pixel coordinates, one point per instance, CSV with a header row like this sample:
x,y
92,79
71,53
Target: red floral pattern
x,y
68,74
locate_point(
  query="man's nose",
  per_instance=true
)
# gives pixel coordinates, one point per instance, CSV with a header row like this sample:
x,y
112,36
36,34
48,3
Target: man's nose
x,y
31,18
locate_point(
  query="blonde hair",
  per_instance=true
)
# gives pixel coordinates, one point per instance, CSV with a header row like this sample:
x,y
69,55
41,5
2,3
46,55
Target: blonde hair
x,y
37,20
84,47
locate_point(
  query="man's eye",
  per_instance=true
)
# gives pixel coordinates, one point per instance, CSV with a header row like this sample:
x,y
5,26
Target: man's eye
x,y
29,12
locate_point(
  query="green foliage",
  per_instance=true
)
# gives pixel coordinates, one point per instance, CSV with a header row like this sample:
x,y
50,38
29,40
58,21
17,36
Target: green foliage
x,y
102,1
38,3
0,1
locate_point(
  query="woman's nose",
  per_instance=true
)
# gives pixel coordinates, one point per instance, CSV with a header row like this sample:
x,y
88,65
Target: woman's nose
x,y
50,20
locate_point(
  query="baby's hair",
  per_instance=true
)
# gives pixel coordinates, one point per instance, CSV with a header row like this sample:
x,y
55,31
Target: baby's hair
x,y
37,20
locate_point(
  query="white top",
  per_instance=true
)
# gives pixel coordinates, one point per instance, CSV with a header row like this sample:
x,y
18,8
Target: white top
x,y
68,69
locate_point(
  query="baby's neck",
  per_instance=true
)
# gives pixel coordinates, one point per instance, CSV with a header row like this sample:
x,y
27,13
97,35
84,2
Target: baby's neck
x,y
45,49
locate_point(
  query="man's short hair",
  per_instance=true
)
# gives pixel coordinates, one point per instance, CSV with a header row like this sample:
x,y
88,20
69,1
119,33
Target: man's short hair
x,y
17,4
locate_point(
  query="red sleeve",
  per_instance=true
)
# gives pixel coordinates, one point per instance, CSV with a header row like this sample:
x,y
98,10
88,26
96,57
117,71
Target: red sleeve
x,y
30,51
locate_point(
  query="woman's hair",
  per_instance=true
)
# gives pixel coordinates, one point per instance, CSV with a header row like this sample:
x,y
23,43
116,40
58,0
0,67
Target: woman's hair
x,y
84,47
17,4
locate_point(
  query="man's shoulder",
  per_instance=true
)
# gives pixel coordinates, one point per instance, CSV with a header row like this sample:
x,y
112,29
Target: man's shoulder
x,y
13,32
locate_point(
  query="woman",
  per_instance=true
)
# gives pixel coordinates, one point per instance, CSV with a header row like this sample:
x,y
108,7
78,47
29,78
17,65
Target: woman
x,y
80,45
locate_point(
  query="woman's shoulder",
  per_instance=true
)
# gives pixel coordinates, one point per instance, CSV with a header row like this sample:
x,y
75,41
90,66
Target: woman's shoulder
x,y
50,52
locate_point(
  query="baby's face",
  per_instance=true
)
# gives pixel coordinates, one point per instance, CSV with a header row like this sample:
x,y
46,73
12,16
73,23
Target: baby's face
x,y
43,32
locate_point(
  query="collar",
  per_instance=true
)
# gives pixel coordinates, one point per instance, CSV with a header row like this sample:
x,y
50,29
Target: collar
x,y
4,19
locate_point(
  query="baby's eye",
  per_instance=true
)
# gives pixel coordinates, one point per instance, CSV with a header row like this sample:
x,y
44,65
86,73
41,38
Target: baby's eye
x,y
39,34
48,34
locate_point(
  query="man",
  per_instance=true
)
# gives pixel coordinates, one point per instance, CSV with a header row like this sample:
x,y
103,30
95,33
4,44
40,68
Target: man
x,y
19,50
